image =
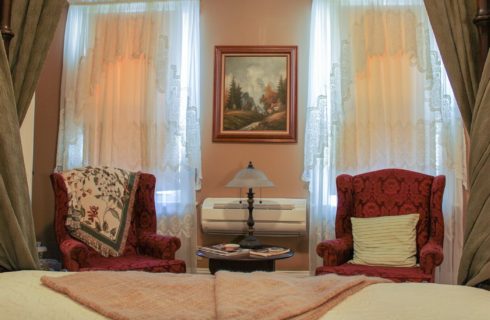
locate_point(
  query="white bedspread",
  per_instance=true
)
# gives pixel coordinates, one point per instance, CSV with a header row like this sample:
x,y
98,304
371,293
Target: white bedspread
x,y
414,301
23,297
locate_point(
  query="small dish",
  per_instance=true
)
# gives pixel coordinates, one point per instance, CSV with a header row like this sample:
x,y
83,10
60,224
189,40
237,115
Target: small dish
x,y
231,246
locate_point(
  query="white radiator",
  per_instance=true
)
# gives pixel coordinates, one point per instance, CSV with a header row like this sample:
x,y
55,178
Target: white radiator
x,y
272,216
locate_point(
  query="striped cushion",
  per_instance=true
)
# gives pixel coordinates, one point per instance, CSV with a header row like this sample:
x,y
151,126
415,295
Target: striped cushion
x,y
385,241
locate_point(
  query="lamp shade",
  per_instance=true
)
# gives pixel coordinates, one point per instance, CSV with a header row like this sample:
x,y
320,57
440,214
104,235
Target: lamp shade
x,y
250,178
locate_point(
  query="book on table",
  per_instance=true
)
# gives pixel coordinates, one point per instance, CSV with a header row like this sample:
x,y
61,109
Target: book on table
x,y
268,252
219,249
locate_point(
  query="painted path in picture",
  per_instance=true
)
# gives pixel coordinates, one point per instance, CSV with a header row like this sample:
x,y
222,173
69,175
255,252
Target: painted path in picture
x,y
255,93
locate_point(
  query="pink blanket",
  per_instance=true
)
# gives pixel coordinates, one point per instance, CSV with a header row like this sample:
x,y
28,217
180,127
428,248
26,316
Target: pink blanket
x,y
227,295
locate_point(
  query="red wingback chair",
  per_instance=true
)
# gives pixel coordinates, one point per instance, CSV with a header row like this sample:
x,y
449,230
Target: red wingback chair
x,y
145,250
387,192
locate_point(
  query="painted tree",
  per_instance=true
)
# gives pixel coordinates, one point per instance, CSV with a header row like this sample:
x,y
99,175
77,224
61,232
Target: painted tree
x,y
234,101
282,90
269,98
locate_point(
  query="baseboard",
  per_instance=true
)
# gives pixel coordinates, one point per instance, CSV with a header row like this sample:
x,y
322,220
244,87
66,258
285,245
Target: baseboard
x,y
295,273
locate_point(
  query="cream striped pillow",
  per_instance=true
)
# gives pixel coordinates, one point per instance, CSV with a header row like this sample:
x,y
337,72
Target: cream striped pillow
x,y
385,241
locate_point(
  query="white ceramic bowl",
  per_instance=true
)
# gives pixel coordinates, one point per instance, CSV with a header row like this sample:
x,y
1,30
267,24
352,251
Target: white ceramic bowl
x,y
231,246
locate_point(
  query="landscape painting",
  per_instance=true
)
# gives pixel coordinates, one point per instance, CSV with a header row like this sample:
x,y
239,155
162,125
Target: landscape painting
x,y
255,94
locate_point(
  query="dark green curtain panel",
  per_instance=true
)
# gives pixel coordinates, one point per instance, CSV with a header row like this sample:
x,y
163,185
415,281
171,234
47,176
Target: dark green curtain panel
x,y
475,262
33,23
457,38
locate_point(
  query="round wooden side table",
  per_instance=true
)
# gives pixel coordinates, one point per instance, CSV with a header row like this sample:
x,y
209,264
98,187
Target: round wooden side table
x,y
242,263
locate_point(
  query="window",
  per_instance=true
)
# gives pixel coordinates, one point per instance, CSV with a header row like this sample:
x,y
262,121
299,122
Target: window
x,y
379,98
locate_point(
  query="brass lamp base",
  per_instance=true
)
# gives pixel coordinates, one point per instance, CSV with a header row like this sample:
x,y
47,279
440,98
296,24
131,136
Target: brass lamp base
x,y
250,242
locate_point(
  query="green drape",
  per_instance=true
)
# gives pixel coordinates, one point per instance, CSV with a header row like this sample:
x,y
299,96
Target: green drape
x,y
457,38
475,261
33,23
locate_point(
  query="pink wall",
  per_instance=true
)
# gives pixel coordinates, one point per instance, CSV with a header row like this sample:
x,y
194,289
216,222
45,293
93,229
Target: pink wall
x,y
254,22
45,135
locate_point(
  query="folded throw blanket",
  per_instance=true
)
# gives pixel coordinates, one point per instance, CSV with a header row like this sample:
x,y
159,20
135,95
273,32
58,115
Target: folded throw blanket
x,y
100,205
227,295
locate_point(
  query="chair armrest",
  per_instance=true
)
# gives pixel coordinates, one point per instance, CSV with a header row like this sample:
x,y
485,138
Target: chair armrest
x,y
74,253
335,252
431,256
158,246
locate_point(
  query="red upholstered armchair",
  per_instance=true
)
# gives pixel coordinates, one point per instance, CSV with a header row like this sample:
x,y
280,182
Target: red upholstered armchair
x,y
145,250
387,192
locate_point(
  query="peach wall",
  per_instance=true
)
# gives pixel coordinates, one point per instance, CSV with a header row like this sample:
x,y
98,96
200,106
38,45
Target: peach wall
x,y
45,136
27,140
254,22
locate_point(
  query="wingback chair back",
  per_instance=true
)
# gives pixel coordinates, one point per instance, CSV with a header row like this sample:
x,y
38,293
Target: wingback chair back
x,y
387,192
144,249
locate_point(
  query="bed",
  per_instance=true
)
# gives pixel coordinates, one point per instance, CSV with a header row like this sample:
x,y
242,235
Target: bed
x,y
23,296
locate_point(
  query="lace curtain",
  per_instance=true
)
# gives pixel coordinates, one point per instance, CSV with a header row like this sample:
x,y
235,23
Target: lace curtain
x,y
130,99
379,98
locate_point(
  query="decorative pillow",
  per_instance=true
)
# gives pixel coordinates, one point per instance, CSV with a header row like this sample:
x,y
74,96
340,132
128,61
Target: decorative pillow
x,y
101,201
385,241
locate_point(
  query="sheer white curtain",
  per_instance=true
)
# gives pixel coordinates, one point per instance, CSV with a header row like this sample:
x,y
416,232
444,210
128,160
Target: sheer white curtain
x,y
379,98
130,93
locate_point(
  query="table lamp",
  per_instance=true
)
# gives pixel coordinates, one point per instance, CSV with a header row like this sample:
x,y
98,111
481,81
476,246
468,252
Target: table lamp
x,y
250,178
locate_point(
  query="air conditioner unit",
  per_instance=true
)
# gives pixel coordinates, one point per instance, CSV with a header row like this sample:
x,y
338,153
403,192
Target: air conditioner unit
x,y
272,216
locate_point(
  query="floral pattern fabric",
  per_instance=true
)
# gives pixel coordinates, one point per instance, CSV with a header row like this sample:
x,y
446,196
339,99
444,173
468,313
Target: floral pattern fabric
x,y
100,204
399,274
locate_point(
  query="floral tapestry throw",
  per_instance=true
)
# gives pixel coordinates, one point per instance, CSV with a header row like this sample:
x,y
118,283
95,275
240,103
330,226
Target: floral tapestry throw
x,y
100,205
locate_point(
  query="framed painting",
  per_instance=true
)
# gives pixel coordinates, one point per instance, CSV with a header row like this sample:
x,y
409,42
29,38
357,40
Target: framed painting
x,y
255,94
